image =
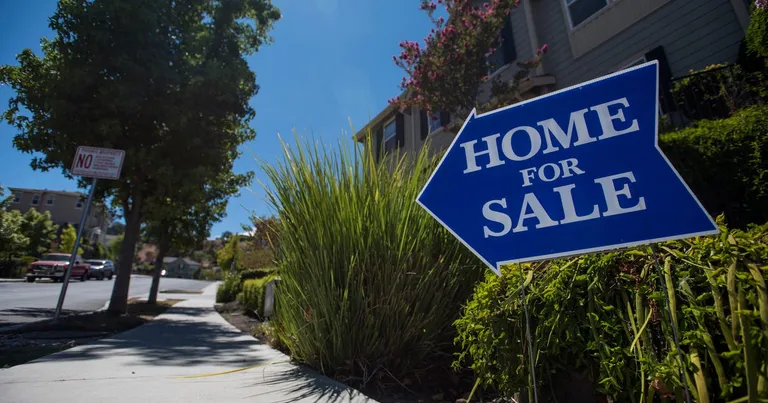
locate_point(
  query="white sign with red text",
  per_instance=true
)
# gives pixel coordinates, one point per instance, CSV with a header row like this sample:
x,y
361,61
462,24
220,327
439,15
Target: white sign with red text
x,y
101,163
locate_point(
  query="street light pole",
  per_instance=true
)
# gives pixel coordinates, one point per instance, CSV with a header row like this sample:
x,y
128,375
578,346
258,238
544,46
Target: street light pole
x,y
72,257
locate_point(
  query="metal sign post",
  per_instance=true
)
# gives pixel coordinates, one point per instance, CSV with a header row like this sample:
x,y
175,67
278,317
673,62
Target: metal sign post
x,y
96,163
73,256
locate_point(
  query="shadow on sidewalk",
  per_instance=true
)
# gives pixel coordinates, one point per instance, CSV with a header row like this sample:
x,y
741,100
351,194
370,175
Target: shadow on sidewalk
x,y
8,317
303,383
186,339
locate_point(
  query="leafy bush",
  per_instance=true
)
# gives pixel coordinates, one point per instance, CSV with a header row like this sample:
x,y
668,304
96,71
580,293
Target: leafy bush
x,y
604,317
251,274
229,288
718,91
757,33
230,255
256,258
252,296
209,275
16,267
725,162
370,282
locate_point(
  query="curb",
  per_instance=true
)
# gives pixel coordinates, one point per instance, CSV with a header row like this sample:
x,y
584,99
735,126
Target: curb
x,y
11,280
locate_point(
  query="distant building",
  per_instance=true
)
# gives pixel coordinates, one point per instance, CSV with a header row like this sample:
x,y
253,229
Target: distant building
x,y
180,267
65,208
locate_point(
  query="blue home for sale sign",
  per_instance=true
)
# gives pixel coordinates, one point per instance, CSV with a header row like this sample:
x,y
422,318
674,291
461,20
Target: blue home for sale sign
x,y
571,172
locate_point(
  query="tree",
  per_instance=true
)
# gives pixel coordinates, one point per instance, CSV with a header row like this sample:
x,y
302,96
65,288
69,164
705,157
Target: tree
x,y
114,247
199,256
40,230
68,236
12,241
182,220
447,73
226,235
116,228
165,81
265,231
230,255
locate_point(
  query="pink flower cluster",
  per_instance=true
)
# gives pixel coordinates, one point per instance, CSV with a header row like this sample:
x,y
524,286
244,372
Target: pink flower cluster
x,y
763,4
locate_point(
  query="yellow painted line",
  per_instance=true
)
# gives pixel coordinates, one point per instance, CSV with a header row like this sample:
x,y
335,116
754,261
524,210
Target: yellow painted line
x,y
231,371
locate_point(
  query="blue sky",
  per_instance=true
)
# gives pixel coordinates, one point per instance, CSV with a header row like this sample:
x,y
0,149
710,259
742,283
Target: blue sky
x,y
331,61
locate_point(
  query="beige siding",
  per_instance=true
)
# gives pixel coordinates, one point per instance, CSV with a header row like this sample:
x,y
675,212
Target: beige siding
x,y
64,210
694,34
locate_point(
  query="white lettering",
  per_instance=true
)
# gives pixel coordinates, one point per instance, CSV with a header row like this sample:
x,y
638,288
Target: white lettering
x,y
496,216
533,136
492,151
555,172
612,194
606,118
537,212
527,175
566,199
569,166
576,122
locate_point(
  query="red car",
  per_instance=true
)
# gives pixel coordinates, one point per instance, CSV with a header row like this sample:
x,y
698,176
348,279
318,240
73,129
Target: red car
x,y
54,265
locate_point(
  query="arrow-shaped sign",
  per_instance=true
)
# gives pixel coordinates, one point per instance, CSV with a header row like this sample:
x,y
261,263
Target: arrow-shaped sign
x,y
572,172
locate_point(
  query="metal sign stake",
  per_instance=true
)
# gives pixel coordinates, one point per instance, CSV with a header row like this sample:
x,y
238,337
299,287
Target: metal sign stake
x,y
528,334
72,257
683,372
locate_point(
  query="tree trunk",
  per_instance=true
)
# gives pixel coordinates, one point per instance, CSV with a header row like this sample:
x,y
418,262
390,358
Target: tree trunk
x,y
152,299
119,302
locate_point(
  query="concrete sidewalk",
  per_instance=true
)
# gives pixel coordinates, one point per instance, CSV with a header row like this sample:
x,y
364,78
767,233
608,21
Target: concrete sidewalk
x,y
188,354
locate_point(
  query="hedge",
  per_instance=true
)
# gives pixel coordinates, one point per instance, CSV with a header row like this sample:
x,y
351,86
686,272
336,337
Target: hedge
x,y
229,288
725,162
251,274
252,295
600,323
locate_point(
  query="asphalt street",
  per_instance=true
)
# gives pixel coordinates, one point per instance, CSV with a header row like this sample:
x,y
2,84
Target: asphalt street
x,y
29,302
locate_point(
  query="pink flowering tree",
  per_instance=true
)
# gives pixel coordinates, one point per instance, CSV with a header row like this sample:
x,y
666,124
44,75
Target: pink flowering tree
x,y
447,71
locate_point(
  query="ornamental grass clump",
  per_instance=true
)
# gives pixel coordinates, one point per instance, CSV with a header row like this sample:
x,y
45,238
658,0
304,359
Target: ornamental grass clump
x,y
370,282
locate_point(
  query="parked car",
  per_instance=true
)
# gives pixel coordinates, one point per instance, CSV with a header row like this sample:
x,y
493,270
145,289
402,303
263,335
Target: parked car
x,y
54,265
101,269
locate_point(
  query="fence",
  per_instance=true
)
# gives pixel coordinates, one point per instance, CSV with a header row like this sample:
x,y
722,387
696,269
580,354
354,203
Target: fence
x,y
715,93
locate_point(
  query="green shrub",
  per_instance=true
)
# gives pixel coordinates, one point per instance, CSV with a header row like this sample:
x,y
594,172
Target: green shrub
x,y
725,162
229,288
718,91
370,281
251,274
757,33
209,275
604,316
252,297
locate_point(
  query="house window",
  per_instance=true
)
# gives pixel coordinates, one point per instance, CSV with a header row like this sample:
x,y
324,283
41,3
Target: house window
x,y
503,52
50,200
79,204
35,200
390,135
581,10
16,198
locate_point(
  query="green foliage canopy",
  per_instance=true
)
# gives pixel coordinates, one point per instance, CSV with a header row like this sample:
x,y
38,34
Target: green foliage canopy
x,y
39,229
68,236
165,81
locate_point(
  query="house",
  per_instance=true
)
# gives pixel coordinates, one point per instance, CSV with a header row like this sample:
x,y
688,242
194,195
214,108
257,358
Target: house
x,y
65,208
180,267
586,39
